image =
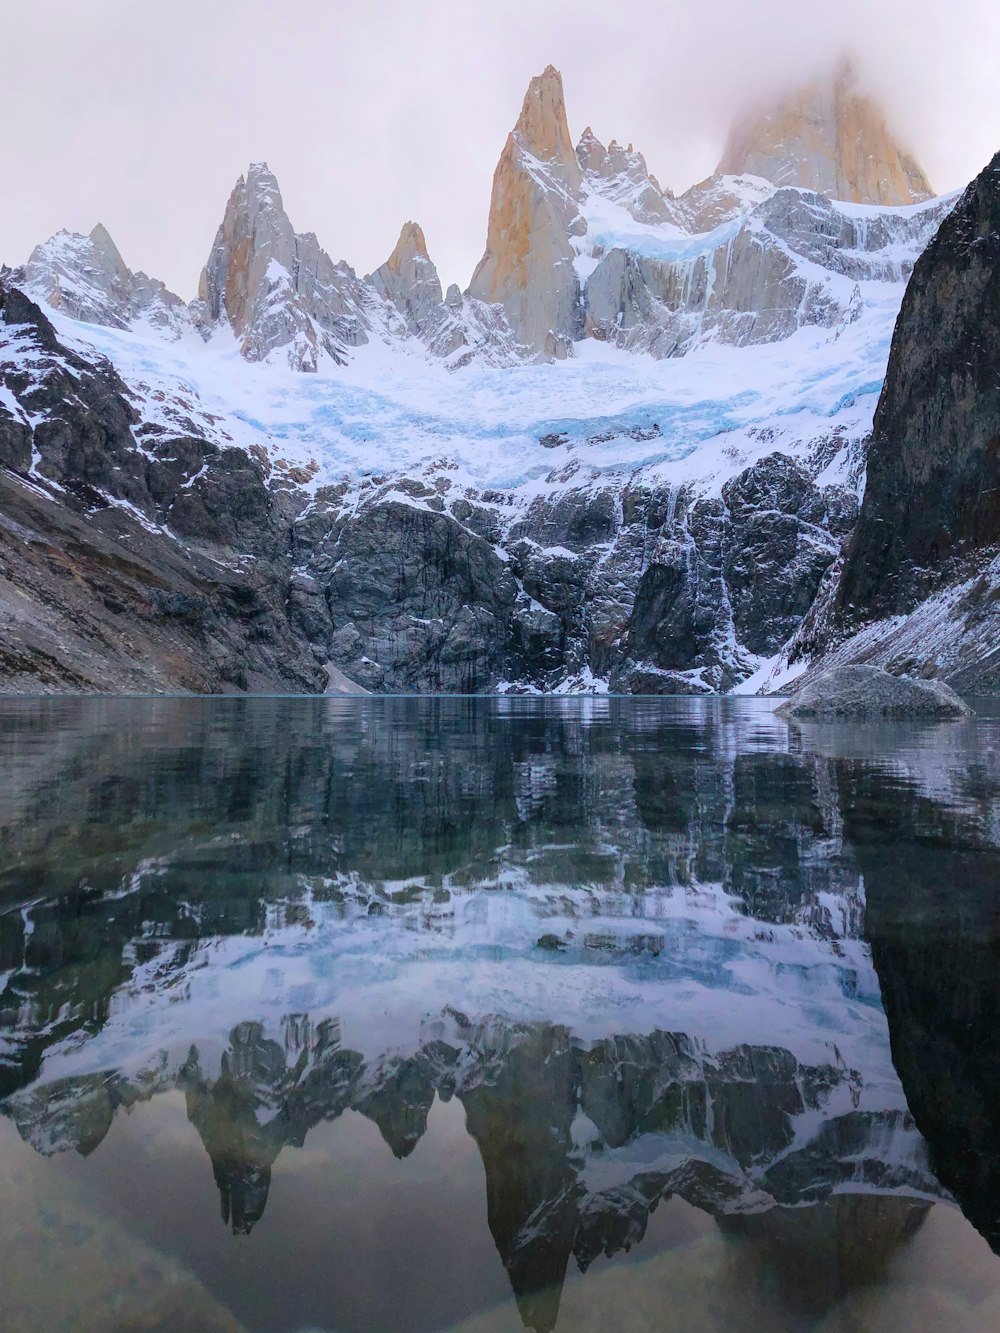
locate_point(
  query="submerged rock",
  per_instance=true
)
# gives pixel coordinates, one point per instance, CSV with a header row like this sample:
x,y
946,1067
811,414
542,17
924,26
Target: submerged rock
x,y
868,694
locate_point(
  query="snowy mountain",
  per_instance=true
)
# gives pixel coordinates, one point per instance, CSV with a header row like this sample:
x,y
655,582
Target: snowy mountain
x,y
625,458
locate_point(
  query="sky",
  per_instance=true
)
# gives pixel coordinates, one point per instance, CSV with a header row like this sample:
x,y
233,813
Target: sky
x,y
141,114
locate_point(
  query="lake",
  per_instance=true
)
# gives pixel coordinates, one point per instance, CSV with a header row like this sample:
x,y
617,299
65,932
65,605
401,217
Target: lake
x,y
479,1014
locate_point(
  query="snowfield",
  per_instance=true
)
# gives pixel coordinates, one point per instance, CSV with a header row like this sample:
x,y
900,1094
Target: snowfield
x,y
705,416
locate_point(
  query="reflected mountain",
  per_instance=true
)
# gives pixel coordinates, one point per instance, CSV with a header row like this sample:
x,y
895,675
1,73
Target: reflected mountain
x,y
934,924
629,938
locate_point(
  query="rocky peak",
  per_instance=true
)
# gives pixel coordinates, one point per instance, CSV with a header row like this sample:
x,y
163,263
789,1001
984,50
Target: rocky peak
x,y
108,254
409,279
620,174
542,128
254,242
86,278
534,210
275,288
590,152
827,136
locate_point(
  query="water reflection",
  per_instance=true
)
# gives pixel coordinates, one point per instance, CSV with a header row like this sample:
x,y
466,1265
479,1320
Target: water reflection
x,y
632,941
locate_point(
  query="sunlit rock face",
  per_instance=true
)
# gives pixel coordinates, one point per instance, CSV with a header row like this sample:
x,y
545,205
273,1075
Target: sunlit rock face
x,y
534,210
831,138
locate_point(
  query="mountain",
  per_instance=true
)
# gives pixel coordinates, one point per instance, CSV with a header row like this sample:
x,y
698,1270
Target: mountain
x,y
87,279
830,138
629,457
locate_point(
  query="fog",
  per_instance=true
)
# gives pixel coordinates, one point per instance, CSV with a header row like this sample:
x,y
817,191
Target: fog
x,y
141,113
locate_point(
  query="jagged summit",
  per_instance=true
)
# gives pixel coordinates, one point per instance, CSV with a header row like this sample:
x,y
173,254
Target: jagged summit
x,y
277,288
620,174
827,136
534,209
86,278
409,279
582,241
542,126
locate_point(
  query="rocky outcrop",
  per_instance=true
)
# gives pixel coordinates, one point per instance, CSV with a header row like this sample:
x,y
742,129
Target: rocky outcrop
x,y
418,601
455,328
867,694
919,591
647,589
277,289
794,261
721,199
729,578
830,138
261,278
534,212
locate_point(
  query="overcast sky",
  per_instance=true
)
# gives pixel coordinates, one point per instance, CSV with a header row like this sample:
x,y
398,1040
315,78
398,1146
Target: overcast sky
x,y
141,113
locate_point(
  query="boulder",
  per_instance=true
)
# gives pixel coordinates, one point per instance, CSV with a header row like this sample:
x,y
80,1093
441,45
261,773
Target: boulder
x,y
868,694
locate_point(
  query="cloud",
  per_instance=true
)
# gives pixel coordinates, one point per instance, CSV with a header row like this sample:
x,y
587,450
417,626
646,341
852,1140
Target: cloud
x,y
141,116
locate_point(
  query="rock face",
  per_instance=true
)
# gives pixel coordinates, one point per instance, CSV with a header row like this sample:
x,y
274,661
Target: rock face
x,y
755,282
653,589
869,694
792,260
919,592
534,210
830,138
620,174
933,491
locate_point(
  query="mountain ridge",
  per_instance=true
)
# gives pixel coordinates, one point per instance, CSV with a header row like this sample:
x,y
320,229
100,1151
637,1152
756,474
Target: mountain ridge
x,y
640,477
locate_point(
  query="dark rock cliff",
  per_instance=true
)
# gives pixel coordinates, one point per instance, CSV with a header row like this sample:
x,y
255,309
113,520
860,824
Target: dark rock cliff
x,y
129,561
933,489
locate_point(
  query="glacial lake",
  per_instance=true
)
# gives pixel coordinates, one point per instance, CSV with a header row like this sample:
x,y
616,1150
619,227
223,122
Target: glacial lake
x,y
352,1015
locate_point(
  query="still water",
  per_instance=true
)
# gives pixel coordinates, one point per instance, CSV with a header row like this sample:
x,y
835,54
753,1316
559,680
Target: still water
x,y
478,1015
